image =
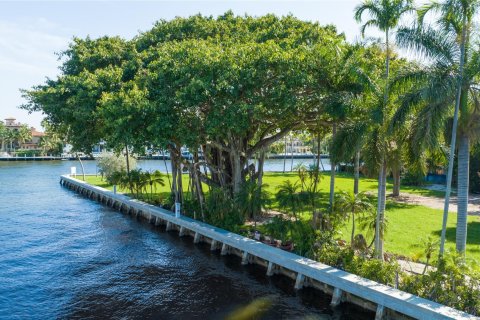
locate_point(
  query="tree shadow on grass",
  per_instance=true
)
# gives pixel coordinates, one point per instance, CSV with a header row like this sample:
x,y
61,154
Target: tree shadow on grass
x,y
390,205
473,234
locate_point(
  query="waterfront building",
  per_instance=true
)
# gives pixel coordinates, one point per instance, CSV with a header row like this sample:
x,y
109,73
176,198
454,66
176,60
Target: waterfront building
x,y
30,144
297,146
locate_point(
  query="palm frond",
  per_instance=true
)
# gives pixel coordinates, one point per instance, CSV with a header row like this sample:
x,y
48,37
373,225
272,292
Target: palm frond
x,y
348,139
435,45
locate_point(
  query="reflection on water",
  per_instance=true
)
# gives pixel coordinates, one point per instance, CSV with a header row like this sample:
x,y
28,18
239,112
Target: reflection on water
x,y
63,256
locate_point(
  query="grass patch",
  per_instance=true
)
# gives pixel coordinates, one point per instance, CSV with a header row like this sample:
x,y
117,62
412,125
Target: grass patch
x,y
409,225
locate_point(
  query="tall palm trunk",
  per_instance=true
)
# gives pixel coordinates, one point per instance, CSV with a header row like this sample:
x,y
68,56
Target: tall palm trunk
x,y
356,172
291,153
382,183
382,176
353,228
396,180
462,192
460,96
332,172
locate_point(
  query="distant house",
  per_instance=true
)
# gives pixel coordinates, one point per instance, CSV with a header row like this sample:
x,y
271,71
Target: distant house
x,y
33,143
297,146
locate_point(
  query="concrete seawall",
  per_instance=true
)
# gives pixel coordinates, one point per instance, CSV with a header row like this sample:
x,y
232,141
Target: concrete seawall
x,y
387,302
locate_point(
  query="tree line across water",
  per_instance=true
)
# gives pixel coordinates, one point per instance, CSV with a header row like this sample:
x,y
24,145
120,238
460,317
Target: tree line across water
x,y
229,87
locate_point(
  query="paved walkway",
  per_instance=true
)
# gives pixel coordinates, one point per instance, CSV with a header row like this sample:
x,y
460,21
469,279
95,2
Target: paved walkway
x,y
438,203
413,267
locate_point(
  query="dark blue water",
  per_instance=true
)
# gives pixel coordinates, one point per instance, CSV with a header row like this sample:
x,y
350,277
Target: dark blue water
x,y
63,256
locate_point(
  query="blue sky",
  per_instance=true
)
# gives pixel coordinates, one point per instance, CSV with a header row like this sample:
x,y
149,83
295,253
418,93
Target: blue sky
x,y
31,32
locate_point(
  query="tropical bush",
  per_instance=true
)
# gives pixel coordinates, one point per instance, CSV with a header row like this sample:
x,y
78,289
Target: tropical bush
x,y
278,228
452,283
221,211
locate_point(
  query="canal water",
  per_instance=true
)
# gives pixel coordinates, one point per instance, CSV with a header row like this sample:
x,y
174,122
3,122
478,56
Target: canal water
x,y
63,256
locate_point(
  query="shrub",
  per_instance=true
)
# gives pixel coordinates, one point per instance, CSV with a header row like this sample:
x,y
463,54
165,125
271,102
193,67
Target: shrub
x,y
344,258
278,228
453,283
303,237
220,211
109,163
413,178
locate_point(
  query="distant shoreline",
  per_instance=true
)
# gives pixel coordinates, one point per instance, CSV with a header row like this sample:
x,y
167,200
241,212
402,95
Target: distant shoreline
x,y
52,158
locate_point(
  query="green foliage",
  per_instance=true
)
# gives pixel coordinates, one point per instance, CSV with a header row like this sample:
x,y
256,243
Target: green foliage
x,y
303,237
413,178
221,211
453,283
289,199
475,169
252,199
383,14
351,205
344,258
278,228
28,153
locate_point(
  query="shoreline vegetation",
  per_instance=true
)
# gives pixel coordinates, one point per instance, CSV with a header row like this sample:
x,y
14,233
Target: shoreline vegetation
x,y
409,240
409,224
230,88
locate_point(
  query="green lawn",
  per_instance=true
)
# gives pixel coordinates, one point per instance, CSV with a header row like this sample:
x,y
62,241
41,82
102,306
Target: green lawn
x,y
409,225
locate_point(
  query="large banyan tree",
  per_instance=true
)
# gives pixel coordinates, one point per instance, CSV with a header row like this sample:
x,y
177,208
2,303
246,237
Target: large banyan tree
x,y
228,86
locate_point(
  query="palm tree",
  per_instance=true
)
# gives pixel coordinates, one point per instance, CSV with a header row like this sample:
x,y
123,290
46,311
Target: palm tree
x,y
450,79
385,15
368,222
352,204
10,138
252,199
289,198
346,85
154,179
24,134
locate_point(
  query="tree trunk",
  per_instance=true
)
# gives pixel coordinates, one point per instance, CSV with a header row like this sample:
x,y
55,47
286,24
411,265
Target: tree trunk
x,y
285,155
396,181
291,152
356,172
353,228
128,169
319,153
237,172
461,95
198,187
317,170
261,161
166,168
81,165
173,163
332,173
179,176
382,179
462,192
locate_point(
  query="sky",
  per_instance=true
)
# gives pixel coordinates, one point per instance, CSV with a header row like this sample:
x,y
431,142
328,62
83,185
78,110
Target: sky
x,y
32,32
